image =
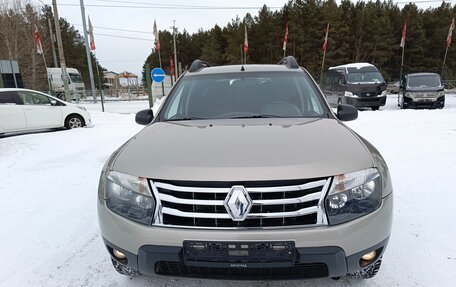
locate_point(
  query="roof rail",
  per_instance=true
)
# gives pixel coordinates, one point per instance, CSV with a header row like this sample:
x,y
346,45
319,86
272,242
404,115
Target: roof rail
x,y
197,65
290,62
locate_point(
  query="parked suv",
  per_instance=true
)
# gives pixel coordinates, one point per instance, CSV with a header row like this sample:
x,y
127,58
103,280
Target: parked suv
x,y
246,173
358,84
421,90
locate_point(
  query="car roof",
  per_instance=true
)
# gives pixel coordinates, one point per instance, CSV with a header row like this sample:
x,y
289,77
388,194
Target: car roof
x,y
237,69
422,74
17,89
352,65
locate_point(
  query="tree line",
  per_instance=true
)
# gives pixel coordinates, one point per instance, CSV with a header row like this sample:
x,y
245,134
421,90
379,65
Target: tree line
x,y
17,42
359,32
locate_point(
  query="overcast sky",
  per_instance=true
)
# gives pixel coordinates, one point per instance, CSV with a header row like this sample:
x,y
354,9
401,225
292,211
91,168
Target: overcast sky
x,y
123,54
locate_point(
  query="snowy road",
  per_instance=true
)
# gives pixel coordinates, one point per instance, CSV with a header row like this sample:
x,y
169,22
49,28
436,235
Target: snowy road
x,y
48,187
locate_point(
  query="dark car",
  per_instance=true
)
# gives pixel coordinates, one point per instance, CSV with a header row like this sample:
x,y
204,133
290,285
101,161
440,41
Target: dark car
x,y
421,90
357,84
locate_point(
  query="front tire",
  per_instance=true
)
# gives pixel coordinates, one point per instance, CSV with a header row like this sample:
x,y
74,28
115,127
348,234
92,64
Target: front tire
x,y
74,121
368,272
124,270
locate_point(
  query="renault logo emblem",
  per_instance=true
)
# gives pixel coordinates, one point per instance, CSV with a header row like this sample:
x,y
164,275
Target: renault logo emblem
x,y
238,203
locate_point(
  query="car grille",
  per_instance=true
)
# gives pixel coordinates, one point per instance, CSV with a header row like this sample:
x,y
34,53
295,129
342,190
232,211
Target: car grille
x,y
370,94
274,204
298,271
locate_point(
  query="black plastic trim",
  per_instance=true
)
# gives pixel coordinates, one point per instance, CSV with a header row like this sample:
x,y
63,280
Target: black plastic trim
x,y
334,257
198,65
290,62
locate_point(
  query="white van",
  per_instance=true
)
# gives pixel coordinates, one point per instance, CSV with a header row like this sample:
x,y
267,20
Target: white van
x,y
75,84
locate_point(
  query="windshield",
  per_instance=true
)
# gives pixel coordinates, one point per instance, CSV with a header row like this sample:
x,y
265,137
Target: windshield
x,y
364,77
423,81
245,95
75,78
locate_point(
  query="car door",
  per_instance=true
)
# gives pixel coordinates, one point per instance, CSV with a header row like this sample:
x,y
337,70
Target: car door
x,y
12,116
39,112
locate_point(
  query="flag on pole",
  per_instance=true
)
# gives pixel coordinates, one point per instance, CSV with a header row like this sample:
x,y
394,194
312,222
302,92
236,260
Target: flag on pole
x,y
92,40
246,41
285,38
450,34
157,39
325,44
171,65
39,47
404,33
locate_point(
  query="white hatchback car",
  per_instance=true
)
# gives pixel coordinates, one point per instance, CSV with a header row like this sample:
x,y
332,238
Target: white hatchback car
x,y
26,110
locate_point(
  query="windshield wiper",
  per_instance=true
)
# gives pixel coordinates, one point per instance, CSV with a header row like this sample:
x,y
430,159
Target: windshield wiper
x,y
186,119
257,117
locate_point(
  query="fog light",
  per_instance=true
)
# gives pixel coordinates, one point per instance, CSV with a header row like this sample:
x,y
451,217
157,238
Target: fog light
x,y
369,256
118,254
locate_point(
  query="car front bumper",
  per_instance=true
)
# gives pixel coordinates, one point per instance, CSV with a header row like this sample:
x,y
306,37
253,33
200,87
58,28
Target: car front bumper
x,y
424,103
320,251
366,102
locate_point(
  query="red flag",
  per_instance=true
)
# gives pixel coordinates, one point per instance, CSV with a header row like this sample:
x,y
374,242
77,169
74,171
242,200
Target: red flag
x,y
450,34
171,65
285,39
92,40
325,44
157,39
39,47
246,41
404,33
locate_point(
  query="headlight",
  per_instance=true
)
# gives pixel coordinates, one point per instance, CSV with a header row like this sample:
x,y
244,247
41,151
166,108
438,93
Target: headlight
x,y
353,195
350,94
410,95
130,197
82,108
383,93
440,94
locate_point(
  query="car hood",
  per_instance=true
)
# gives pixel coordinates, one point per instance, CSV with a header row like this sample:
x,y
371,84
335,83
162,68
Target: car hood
x,y
243,150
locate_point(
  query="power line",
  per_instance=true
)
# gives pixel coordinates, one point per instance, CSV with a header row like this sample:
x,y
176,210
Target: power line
x,y
165,6
117,29
123,37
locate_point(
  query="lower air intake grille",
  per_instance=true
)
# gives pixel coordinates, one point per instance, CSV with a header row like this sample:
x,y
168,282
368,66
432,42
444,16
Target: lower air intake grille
x,y
298,271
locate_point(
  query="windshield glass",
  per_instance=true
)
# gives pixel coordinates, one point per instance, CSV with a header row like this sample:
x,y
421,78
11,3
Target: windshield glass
x,y
364,77
75,78
423,81
245,95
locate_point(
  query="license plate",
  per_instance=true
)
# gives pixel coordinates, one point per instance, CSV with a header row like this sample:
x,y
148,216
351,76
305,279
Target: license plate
x,y
239,254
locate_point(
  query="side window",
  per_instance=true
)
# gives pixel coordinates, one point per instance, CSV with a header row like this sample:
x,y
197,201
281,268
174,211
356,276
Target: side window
x,y
30,98
174,108
7,98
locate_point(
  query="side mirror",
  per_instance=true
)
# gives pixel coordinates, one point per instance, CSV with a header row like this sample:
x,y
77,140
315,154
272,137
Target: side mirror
x,y
346,112
144,117
53,102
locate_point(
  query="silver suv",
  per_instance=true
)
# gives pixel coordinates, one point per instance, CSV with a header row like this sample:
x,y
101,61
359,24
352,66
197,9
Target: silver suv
x,y
246,173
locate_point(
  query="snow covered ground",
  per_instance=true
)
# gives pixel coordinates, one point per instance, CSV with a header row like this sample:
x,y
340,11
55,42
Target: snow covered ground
x,y
49,231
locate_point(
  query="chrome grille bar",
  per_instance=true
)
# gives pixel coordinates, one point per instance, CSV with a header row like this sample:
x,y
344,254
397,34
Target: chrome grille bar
x,y
300,212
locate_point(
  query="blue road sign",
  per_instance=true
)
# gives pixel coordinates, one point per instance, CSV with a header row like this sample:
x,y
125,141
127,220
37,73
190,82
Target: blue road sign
x,y
158,75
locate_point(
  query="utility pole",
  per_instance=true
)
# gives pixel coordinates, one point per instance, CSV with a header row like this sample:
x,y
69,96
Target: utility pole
x,y
175,50
60,48
89,59
52,43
